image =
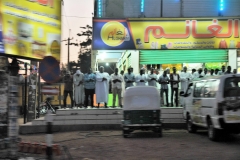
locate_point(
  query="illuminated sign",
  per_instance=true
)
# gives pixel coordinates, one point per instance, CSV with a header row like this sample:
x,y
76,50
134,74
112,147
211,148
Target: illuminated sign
x,y
31,28
166,34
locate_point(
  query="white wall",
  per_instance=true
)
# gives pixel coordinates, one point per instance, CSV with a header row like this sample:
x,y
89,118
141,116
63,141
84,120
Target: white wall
x,y
134,61
232,58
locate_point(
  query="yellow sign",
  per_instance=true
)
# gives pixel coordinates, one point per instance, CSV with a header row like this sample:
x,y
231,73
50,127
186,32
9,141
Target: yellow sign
x,y
174,33
188,34
31,28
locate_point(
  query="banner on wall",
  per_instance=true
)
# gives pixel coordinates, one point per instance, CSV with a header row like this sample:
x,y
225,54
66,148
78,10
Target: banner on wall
x,y
30,28
144,33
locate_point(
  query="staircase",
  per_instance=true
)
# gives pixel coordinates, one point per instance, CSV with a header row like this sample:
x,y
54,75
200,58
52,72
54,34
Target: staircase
x,y
96,119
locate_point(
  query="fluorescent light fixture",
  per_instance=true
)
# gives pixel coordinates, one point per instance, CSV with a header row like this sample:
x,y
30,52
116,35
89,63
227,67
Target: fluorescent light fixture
x,y
142,6
221,7
99,8
103,56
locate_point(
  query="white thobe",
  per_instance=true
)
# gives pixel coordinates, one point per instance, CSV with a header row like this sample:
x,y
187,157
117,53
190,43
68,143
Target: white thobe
x,y
141,77
184,76
78,89
123,88
205,75
169,88
102,87
220,73
152,82
195,76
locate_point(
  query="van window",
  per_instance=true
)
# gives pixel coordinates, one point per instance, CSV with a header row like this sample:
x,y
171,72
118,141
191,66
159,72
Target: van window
x,y
210,88
198,89
232,87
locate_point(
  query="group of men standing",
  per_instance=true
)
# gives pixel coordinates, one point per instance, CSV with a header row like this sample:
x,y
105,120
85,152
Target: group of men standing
x,y
85,86
81,85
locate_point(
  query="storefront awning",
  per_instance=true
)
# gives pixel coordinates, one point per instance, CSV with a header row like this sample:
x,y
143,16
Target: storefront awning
x,y
182,56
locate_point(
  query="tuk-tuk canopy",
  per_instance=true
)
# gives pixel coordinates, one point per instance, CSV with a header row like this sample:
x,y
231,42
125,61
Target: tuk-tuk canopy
x,y
141,98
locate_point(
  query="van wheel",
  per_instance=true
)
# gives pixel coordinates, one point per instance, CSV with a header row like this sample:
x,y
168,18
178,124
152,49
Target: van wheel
x,y
125,134
191,128
213,133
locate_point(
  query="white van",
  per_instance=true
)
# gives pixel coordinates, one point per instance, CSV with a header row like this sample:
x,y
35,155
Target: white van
x,y
213,103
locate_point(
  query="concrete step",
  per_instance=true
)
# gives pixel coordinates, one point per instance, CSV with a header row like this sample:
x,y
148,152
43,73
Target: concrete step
x,y
80,119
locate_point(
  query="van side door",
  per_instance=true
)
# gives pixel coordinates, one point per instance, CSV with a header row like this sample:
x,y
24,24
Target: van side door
x,y
197,103
209,101
187,102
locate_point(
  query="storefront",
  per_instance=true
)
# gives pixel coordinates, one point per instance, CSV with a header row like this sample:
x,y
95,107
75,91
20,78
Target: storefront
x,y
166,42
29,31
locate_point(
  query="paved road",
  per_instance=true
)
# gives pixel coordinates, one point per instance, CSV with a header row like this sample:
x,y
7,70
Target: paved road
x,y
175,144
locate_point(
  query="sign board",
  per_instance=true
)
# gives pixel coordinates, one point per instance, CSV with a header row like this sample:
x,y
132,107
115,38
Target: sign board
x,y
166,33
49,90
30,28
49,69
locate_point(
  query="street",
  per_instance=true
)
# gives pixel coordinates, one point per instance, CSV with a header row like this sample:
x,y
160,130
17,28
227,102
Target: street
x,y
175,144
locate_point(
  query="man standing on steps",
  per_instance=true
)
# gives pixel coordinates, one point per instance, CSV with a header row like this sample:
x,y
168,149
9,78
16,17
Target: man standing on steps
x,y
68,88
102,86
152,78
174,81
222,71
123,84
185,78
141,79
129,78
89,84
164,80
79,88
117,80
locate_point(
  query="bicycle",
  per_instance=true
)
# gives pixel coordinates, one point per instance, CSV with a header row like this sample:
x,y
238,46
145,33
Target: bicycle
x,y
44,107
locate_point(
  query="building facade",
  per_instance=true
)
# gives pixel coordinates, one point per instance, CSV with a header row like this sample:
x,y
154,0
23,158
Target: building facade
x,y
187,38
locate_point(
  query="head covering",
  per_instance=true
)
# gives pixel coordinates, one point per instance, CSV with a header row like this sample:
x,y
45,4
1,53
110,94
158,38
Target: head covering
x,y
78,72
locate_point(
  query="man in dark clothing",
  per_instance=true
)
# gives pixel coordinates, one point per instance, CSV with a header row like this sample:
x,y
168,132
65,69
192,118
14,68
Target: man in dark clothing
x,y
89,84
174,81
228,70
235,71
222,71
212,72
164,80
68,88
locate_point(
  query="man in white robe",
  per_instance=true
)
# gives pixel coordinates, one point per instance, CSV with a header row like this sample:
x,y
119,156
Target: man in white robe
x,y
141,79
102,86
185,78
152,78
78,88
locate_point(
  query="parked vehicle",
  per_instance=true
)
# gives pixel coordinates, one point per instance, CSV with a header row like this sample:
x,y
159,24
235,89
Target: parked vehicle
x,y
141,110
213,103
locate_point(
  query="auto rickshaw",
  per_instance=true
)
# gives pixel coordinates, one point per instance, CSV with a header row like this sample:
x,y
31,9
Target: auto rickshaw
x,y
141,110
